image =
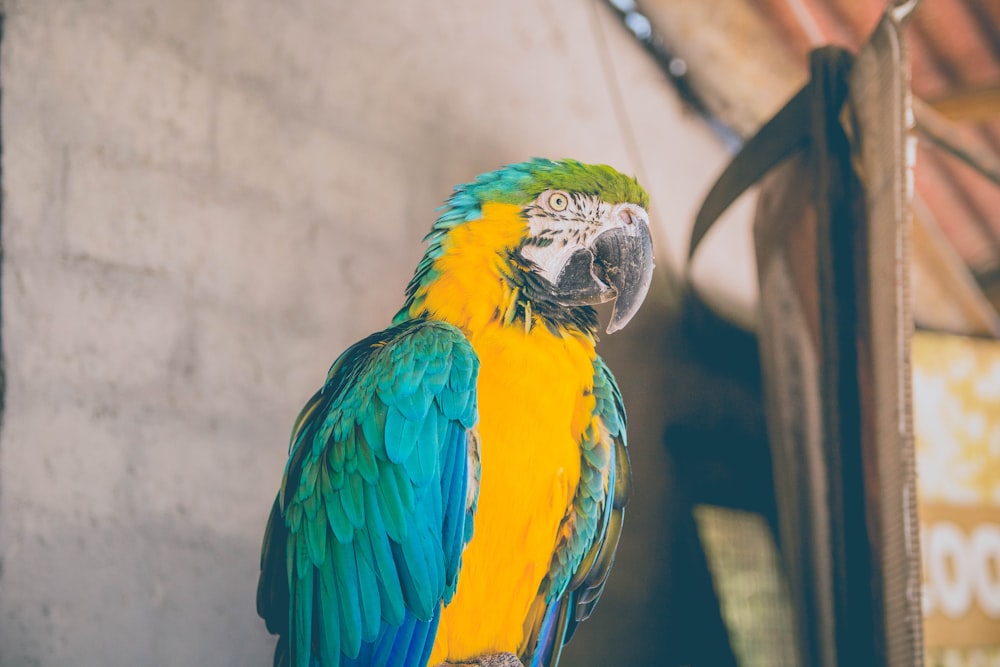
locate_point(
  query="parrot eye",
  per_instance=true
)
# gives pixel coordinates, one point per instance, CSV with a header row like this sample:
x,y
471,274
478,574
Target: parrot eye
x,y
558,201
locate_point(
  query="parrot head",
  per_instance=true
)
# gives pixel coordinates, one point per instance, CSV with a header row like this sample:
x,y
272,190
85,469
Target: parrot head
x,y
563,235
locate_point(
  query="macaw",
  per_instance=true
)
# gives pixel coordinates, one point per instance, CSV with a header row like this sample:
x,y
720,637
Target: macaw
x,y
456,488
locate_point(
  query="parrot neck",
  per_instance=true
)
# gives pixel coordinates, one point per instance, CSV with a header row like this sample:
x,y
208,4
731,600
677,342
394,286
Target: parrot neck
x,y
470,277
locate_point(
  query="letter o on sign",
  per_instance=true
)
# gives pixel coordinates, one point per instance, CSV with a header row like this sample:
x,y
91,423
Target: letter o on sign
x,y
985,557
949,569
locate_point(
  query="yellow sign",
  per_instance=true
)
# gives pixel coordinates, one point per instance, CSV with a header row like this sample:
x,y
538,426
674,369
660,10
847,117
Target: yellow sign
x,y
961,565
956,411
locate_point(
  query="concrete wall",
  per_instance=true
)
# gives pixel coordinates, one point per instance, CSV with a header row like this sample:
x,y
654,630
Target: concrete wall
x,y
204,203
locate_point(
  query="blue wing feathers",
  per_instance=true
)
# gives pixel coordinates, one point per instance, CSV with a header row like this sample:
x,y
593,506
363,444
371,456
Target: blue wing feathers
x,y
366,536
367,465
423,462
414,405
456,477
301,610
393,506
396,447
373,428
352,501
397,649
414,576
386,574
315,539
337,519
453,403
329,639
272,591
368,588
549,636
348,598
421,643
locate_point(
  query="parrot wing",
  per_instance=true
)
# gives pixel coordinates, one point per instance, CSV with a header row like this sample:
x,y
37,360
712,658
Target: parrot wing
x,y
366,535
589,536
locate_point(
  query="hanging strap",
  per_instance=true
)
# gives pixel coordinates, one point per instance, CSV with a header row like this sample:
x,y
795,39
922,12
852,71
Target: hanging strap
x,y
786,133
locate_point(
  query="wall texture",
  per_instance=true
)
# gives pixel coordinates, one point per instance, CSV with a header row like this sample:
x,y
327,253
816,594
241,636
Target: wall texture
x,y
204,203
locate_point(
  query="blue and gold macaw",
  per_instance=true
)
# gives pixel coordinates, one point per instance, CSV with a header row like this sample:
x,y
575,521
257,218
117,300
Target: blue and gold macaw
x,y
456,488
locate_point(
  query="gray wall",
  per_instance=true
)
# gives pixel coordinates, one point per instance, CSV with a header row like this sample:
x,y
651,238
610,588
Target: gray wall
x,y
204,203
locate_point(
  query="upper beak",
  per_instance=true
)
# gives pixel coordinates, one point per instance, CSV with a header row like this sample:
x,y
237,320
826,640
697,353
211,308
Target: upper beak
x,y
618,265
625,255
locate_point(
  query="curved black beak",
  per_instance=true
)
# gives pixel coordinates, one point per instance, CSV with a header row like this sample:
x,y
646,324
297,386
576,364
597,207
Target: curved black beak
x,y
618,265
625,257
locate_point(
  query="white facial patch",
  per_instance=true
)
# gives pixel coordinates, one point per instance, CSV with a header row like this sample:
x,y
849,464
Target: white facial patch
x,y
556,234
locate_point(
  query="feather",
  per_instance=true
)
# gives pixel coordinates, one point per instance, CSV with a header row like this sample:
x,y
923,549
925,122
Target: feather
x,y
272,588
453,480
337,476
307,480
303,562
293,516
454,403
437,371
315,539
337,455
310,504
415,574
399,435
435,557
325,487
422,464
368,589
550,635
367,465
403,488
395,651
418,651
408,381
348,598
340,524
393,513
386,575
414,405
373,426
352,500
329,614
462,371
382,649
319,438
303,607
597,454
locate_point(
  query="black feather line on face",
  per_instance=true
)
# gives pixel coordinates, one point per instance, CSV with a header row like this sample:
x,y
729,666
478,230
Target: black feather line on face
x,y
558,319
542,240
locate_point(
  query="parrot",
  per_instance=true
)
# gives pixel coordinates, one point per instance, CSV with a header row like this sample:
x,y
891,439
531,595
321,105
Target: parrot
x,y
456,487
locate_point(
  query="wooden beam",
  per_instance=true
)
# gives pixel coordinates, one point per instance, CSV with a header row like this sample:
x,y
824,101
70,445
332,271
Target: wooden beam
x,y
971,105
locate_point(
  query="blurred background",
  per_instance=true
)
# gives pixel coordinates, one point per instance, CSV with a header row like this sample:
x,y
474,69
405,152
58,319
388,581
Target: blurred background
x,y
204,203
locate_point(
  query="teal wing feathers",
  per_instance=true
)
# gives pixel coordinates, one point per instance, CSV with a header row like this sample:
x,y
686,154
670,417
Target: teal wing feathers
x,y
587,546
365,537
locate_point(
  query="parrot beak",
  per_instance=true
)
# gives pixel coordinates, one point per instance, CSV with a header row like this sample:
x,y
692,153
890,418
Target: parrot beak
x,y
618,265
625,257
